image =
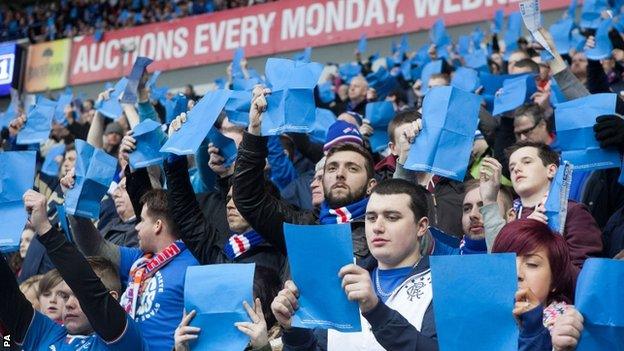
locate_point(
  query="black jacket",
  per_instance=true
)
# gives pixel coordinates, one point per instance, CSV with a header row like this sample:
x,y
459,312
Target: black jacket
x,y
201,234
266,213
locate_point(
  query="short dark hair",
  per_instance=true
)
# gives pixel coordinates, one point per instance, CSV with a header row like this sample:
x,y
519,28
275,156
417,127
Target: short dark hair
x,y
417,194
532,110
369,162
106,271
545,152
157,206
406,116
444,76
528,63
49,281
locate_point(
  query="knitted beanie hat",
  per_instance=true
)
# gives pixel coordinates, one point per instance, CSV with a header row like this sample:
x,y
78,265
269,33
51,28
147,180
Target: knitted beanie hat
x,y
342,132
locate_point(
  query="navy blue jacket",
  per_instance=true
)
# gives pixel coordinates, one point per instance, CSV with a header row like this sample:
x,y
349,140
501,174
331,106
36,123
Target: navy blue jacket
x,y
390,328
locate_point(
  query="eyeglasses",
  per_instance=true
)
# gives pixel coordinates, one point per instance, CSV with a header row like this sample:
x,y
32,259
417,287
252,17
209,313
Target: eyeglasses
x,y
526,131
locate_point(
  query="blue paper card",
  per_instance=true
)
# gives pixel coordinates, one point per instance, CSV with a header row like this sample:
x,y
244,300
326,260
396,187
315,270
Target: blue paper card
x,y
62,217
138,69
94,173
466,79
379,114
562,34
324,119
438,35
111,108
362,44
237,107
430,69
383,82
603,46
599,299
450,119
464,44
316,253
557,202
237,71
38,125
151,83
291,106
514,93
227,147
326,92
466,286
591,13
50,165
476,59
245,84
349,70
304,56
59,111
512,34
17,175
574,122
497,22
149,138
179,105
198,123
216,292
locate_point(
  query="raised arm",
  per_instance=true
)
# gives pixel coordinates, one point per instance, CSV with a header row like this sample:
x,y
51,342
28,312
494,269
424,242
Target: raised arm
x,y
199,235
15,310
106,316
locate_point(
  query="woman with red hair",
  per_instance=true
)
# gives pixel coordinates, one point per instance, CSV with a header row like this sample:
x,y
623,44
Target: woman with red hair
x,y
546,282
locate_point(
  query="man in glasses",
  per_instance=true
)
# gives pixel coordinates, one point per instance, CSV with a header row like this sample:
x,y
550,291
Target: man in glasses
x,y
531,124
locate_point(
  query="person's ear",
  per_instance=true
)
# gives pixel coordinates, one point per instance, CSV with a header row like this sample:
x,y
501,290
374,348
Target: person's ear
x,y
158,226
551,171
114,294
371,184
392,147
422,226
510,215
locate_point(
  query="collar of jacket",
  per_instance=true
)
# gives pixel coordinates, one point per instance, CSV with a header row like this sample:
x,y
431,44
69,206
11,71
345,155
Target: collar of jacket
x,y
370,263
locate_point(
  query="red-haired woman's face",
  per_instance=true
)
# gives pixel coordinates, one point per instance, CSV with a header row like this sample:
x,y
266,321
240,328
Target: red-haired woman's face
x,y
534,273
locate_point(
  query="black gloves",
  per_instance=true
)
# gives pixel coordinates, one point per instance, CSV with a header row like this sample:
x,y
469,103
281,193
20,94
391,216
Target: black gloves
x,y
609,131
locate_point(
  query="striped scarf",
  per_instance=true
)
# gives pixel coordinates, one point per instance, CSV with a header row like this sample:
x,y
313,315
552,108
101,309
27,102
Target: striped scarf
x,y
238,244
344,214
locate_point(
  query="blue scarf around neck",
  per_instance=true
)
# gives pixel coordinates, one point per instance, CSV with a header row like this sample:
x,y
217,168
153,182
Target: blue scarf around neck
x,y
238,244
344,214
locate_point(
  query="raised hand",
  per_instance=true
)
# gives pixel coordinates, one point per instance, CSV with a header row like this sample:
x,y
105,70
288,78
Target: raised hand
x,y
257,328
285,304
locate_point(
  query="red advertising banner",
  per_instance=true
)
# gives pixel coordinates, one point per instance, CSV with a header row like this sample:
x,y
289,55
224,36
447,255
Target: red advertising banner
x,y
266,29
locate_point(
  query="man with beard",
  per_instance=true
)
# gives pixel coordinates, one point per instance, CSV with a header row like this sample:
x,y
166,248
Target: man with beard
x,y
348,179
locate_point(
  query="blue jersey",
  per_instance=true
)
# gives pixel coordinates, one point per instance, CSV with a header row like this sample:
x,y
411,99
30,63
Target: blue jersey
x,y
159,308
45,335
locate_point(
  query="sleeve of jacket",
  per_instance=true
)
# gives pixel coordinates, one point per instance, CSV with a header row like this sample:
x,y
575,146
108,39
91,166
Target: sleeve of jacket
x,y
265,213
309,149
395,333
533,335
15,311
282,170
198,235
300,339
106,316
493,223
571,87
147,111
137,184
596,78
582,234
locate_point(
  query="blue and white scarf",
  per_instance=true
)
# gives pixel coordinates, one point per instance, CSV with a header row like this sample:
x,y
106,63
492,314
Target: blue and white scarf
x,y
344,214
238,244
